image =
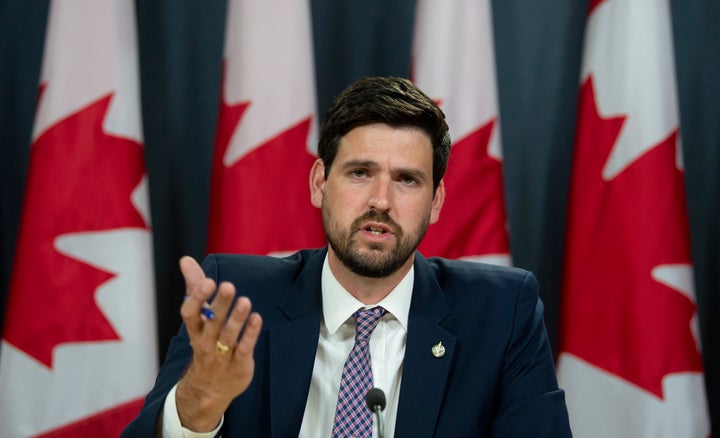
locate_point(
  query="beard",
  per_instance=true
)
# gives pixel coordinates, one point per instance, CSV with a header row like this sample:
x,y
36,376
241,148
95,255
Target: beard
x,y
377,261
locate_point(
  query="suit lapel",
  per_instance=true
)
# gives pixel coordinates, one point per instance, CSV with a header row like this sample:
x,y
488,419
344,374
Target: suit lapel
x,y
424,373
292,347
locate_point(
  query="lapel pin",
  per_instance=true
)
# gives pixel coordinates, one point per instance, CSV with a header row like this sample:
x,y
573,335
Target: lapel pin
x,y
438,350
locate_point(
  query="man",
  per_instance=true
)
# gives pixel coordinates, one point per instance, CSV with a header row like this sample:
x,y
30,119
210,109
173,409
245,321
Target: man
x,y
459,348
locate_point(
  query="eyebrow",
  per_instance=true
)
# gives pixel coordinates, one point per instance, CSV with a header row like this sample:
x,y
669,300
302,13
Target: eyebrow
x,y
415,173
359,163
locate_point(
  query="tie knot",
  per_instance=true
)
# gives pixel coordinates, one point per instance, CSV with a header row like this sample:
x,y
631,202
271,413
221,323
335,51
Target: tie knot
x,y
366,321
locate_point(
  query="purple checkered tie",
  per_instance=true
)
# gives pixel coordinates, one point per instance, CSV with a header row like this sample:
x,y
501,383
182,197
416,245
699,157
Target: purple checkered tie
x,y
352,416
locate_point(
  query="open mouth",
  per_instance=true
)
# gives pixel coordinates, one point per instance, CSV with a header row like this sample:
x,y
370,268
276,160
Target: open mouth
x,y
376,230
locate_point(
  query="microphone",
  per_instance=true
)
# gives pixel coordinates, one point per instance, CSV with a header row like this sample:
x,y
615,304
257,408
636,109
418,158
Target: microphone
x,y
375,399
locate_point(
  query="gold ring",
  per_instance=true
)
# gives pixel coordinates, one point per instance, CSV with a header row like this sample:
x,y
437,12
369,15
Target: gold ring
x,y
221,348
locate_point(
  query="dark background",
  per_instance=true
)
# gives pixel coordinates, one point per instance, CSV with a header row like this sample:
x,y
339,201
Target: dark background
x,y
538,50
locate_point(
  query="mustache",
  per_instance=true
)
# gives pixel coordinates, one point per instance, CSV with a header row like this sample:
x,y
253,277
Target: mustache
x,y
377,216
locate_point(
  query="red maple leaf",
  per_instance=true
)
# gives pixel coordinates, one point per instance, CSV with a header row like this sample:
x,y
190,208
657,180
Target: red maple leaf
x,y
80,180
108,422
593,5
261,203
615,315
473,219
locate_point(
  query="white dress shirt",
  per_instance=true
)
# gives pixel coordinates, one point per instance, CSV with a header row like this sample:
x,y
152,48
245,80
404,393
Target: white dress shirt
x,y
337,337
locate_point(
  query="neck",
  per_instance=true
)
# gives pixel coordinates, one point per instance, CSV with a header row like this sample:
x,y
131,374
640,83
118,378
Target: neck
x,y
367,290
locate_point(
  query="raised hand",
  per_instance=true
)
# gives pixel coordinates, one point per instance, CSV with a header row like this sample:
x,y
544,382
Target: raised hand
x,y
222,365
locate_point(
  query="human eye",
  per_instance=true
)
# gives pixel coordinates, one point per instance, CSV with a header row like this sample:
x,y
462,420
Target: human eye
x,y
358,173
408,180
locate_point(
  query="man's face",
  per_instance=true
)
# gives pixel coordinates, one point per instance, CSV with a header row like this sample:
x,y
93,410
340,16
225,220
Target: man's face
x,y
377,200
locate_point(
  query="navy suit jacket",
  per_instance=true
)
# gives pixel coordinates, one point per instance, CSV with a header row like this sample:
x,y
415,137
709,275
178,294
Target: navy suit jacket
x,y
497,376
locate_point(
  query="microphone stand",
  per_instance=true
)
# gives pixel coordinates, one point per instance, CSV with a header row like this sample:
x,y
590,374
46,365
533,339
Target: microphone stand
x,y
375,399
381,426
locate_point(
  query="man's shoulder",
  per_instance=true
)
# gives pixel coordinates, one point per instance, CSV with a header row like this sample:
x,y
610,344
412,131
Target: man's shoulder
x,y
471,280
222,265
476,271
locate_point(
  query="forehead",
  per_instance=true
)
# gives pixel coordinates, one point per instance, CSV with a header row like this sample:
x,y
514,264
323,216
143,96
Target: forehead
x,y
407,146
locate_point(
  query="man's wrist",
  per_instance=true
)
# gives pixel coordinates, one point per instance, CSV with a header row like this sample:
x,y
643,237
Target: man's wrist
x,y
195,409
172,426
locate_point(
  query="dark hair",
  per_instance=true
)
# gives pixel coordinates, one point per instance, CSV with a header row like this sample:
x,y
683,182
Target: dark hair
x,y
390,100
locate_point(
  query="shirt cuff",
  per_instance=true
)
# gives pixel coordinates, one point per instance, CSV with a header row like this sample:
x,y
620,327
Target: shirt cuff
x,y
171,426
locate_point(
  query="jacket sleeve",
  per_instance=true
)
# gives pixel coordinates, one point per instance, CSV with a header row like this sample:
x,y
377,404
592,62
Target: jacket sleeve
x,y
530,402
178,357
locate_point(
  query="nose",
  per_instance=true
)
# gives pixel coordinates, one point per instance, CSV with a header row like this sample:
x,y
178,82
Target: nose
x,y
380,195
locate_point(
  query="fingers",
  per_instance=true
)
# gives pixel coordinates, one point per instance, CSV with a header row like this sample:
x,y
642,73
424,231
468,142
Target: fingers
x,y
225,325
220,307
235,322
241,319
198,290
191,270
246,345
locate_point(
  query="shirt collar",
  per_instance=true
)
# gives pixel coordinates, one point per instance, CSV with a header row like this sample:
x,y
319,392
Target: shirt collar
x,y
339,304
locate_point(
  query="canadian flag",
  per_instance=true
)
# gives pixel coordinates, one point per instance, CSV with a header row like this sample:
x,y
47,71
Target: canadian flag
x,y
630,356
79,343
260,195
454,63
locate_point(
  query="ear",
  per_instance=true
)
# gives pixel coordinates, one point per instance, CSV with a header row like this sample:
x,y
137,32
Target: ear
x,y
437,202
317,182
